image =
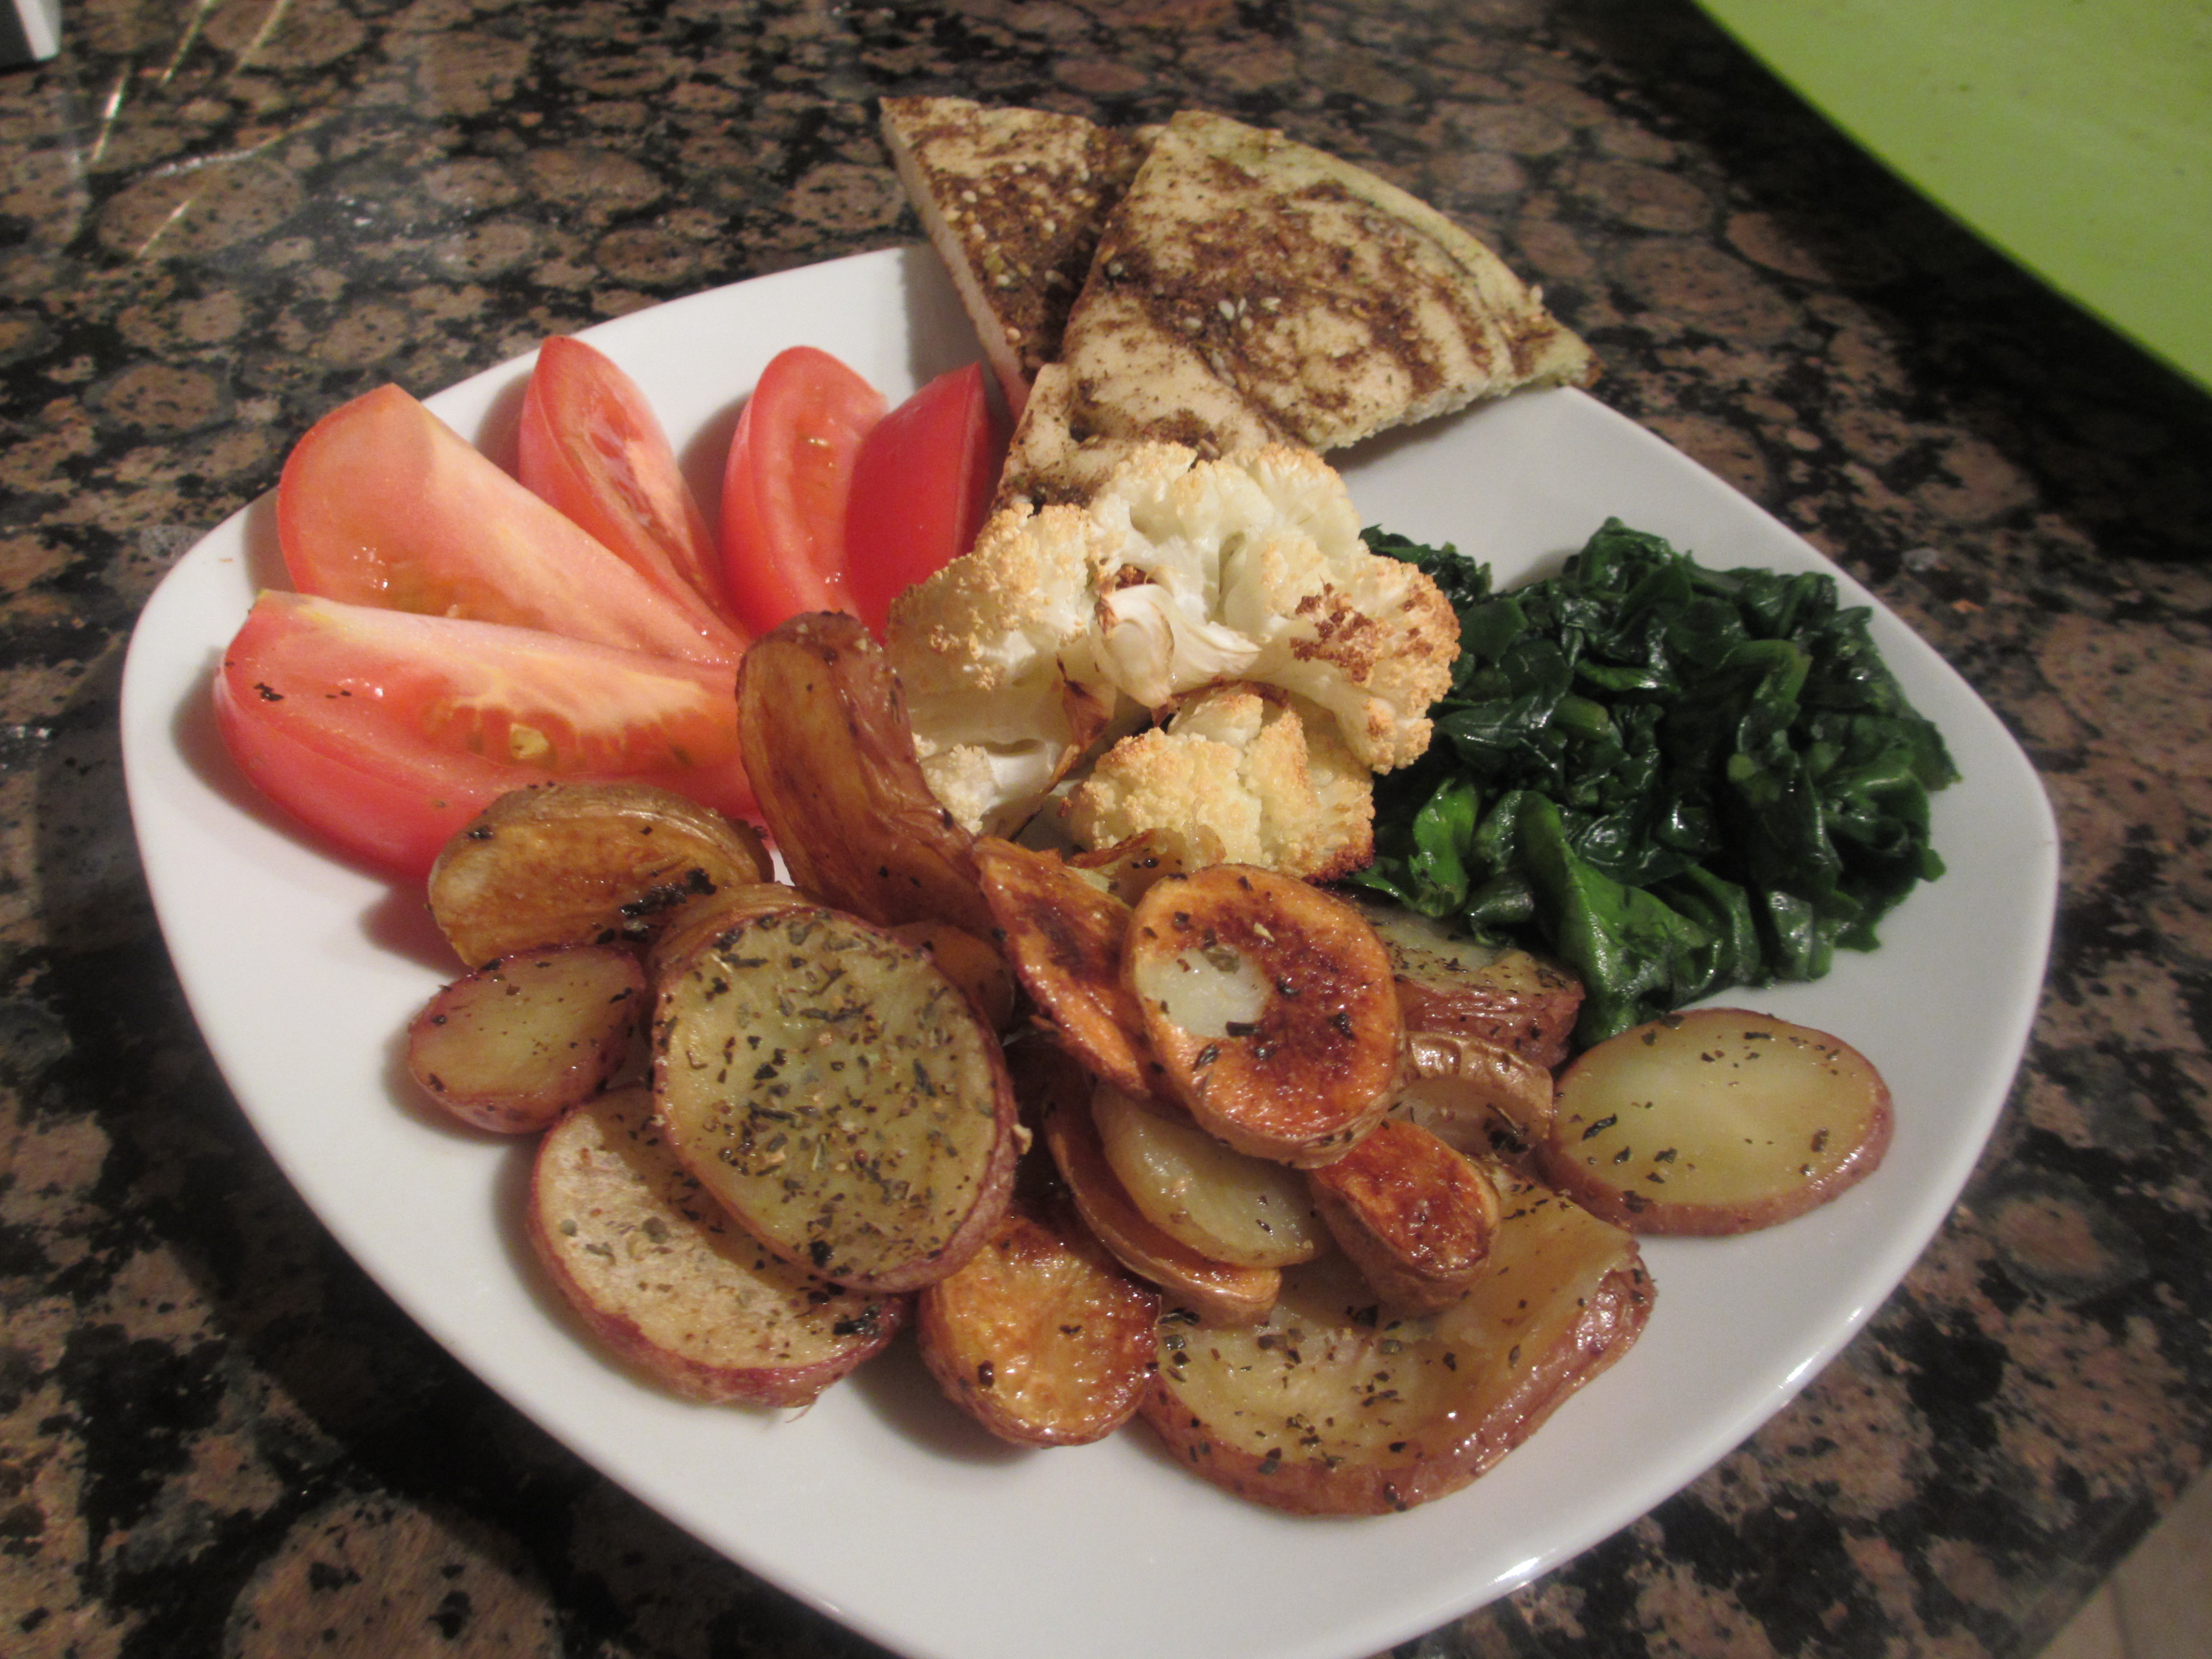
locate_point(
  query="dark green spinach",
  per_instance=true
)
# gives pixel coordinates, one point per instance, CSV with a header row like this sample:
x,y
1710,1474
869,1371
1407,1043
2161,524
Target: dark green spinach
x,y
1673,779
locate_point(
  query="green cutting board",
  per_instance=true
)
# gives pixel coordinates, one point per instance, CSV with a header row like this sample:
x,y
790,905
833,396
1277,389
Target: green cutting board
x,y
2075,135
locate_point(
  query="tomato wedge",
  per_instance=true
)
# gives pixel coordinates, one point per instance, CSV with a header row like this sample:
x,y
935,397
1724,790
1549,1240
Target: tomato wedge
x,y
589,444
382,503
786,487
385,733
922,482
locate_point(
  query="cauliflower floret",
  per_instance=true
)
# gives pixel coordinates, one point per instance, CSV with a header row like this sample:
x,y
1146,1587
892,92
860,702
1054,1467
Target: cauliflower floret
x,y
1069,626
1239,774
978,651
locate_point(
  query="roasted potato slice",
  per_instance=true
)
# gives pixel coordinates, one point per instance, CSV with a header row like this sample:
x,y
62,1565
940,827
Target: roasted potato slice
x,y
1453,986
839,1094
831,758
1417,1218
1715,1121
1128,868
1041,1337
1226,1205
1474,1093
969,963
583,864
1329,1406
512,1046
696,924
1064,938
1270,1005
1213,1291
671,1283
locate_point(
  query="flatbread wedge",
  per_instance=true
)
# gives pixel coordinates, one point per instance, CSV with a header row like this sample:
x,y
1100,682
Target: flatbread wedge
x,y
1249,288
1013,201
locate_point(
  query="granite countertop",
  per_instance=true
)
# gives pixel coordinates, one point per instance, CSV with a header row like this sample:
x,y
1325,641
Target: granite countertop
x,y
221,220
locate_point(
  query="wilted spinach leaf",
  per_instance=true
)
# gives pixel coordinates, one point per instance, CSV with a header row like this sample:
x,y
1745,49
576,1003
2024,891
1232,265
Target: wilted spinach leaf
x,y
1674,779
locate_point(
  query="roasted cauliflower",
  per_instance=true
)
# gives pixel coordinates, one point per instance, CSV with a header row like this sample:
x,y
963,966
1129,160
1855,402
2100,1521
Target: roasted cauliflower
x,y
1069,628
1239,774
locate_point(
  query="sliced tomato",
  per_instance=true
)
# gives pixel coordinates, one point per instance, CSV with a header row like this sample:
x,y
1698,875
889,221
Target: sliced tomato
x,y
383,504
590,444
385,733
786,487
920,485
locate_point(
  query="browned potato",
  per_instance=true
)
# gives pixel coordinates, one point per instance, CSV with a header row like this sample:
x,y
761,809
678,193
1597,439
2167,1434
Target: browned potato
x,y
1064,939
1329,1407
839,1094
1270,1004
1128,868
1453,986
1226,1205
1474,1093
583,864
969,963
1416,1218
512,1046
1715,1121
1213,1291
671,1283
831,757
1041,1337
696,924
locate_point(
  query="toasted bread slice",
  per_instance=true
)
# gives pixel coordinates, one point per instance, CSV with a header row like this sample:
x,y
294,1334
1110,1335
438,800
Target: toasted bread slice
x,y
1249,288
1013,201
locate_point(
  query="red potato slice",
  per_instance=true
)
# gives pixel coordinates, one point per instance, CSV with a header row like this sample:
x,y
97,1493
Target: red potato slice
x,y
1475,1094
1450,985
1329,1406
1716,1121
512,1046
671,1285
1416,1218
1064,939
839,1095
1128,868
1270,1004
1042,1337
1226,1205
824,724
1213,1291
584,864
708,919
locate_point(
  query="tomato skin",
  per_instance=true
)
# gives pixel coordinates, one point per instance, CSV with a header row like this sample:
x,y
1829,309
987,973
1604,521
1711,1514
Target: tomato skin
x,y
385,732
922,484
382,503
786,487
589,444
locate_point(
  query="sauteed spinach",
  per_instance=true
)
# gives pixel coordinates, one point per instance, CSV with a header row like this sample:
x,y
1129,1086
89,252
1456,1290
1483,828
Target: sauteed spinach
x,y
1674,779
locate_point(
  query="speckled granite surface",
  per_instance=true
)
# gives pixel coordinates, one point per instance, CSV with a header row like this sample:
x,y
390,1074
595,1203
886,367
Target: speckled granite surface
x,y
218,220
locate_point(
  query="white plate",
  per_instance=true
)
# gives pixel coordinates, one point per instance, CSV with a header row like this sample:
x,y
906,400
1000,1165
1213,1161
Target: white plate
x,y
883,1506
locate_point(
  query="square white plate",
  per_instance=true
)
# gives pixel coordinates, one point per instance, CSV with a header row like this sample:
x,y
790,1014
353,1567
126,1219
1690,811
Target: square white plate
x,y
883,1506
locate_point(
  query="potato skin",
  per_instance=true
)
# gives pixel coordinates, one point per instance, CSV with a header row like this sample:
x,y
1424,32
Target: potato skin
x,y
1064,939
1219,1293
823,726
1415,1217
513,1045
670,1284
1449,986
1327,1409
1041,1337
583,864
